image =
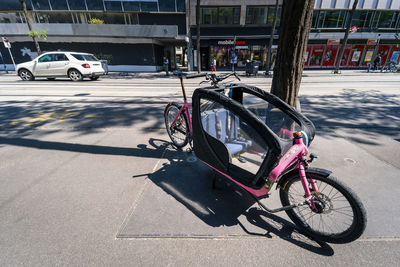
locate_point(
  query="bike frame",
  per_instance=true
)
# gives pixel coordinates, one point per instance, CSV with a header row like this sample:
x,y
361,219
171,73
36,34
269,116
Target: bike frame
x,y
295,156
185,108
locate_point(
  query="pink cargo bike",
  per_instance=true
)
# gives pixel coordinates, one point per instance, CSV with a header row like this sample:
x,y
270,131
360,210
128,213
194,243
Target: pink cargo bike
x,y
256,140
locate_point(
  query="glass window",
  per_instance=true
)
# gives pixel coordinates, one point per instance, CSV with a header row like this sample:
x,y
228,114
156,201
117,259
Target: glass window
x,y
220,15
331,18
41,4
180,6
77,5
59,4
387,19
321,18
95,4
341,19
225,15
256,15
314,19
131,6
11,5
148,6
167,5
55,17
244,146
209,15
11,18
45,58
60,57
113,5
83,57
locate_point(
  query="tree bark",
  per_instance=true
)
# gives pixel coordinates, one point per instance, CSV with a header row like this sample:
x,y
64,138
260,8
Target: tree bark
x,y
198,36
28,21
271,39
294,30
346,37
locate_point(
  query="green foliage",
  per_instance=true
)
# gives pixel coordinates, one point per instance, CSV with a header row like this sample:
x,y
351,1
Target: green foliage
x,y
96,21
40,35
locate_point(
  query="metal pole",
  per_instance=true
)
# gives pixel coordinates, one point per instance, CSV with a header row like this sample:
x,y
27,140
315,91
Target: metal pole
x,y
4,63
9,50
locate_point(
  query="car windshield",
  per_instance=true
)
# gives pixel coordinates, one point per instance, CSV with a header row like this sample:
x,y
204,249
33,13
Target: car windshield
x,y
84,57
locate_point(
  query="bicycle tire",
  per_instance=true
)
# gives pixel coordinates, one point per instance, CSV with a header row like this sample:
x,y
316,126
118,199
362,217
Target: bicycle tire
x,y
325,207
179,135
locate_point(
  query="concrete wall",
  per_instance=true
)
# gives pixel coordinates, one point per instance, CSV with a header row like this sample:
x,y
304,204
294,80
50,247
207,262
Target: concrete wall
x,y
89,30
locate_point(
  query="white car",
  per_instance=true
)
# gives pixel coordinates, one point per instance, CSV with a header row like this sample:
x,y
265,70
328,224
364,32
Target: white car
x,y
52,65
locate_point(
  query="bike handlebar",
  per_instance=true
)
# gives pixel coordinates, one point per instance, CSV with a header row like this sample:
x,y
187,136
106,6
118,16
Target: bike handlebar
x,y
191,76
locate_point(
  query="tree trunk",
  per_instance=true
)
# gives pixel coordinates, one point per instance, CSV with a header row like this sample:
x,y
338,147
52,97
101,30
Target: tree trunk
x,y
28,21
346,37
293,37
271,39
198,36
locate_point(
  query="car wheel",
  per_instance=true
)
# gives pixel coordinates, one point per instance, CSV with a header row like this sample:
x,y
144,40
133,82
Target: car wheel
x,y
94,78
75,75
51,79
26,75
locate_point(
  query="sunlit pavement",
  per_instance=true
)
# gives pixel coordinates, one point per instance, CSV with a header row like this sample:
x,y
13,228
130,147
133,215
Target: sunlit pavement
x,y
89,178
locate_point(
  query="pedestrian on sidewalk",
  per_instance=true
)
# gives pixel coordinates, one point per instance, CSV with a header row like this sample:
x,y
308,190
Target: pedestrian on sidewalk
x,y
214,65
166,62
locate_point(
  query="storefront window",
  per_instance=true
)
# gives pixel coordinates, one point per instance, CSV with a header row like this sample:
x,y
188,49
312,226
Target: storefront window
x,y
367,57
330,55
355,55
316,55
345,57
244,53
220,15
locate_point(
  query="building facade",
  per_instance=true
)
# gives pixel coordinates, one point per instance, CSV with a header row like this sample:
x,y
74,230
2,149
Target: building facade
x,y
240,31
135,35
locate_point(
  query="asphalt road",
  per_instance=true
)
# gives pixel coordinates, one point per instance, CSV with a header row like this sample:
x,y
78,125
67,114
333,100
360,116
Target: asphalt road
x,y
88,177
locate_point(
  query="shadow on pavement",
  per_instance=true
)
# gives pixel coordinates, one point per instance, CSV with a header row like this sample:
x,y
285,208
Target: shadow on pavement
x,y
372,111
189,182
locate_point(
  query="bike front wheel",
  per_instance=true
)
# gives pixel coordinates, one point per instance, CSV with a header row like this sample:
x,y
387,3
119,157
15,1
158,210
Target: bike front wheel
x,y
178,131
339,217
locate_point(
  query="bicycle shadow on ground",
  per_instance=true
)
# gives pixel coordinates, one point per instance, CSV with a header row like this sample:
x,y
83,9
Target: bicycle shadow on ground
x,y
189,181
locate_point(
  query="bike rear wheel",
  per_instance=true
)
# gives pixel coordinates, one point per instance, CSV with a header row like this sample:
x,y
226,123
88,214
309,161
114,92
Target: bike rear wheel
x,y
179,132
340,216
